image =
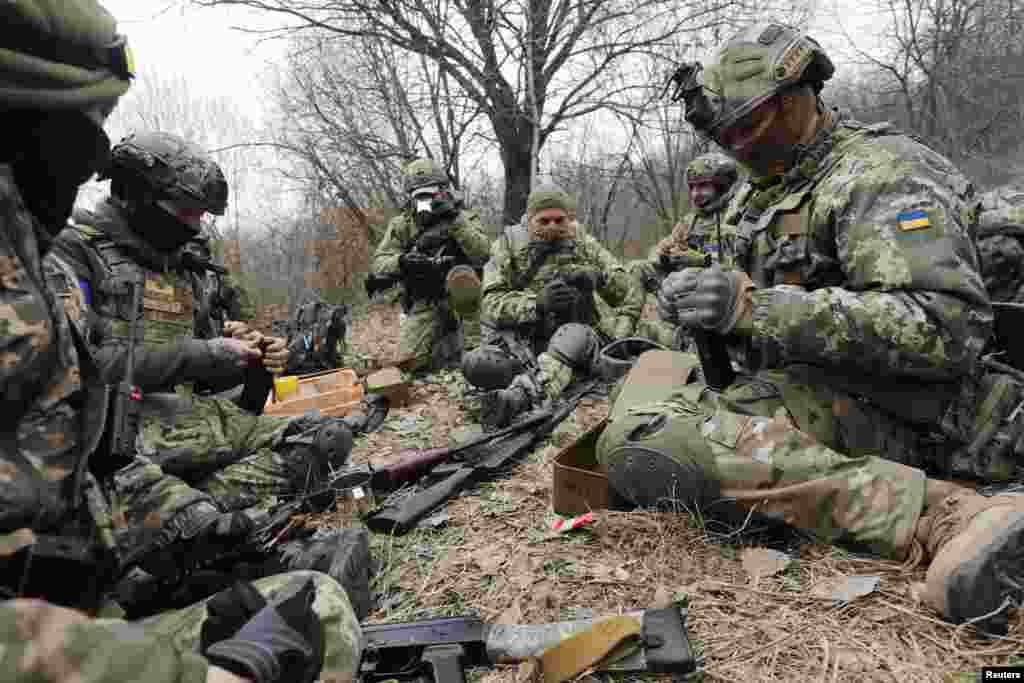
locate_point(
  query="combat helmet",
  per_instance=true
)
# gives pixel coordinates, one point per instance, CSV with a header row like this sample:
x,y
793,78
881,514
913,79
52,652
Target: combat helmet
x,y
62,54
161,166
423,173
712,167
748,70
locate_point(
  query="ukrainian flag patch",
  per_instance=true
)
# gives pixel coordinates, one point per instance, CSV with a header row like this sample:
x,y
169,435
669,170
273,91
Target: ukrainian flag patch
x,y
912,220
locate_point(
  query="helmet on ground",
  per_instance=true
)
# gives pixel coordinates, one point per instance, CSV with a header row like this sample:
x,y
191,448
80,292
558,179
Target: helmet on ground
x,y
749,69
161,166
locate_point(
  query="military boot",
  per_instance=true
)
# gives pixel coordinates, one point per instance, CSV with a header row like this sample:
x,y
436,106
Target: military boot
x,y
976,547
500,407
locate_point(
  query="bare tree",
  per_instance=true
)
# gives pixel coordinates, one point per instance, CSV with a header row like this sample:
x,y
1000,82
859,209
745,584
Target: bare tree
x,y
531,66
953,74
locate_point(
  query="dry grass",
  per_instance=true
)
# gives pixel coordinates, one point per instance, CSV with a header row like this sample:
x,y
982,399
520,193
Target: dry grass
x,y
495,557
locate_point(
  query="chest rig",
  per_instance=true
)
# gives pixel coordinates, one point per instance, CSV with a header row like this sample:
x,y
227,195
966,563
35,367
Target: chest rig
x,y
776,242
168,301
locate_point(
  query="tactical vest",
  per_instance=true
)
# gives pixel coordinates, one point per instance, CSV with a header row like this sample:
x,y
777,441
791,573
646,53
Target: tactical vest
x,y
774,244
167,299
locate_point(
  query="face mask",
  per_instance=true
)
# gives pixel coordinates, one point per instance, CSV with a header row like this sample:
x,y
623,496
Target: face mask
x,y
160,230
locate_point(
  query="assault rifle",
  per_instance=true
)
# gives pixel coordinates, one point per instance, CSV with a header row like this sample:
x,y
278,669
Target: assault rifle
x,y
488,461
652,640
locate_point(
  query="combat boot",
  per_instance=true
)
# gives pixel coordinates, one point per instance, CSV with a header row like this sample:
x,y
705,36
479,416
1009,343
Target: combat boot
x,y
500,407
976,547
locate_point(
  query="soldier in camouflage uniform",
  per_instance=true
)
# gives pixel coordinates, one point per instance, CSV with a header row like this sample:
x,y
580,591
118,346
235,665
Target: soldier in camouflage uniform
x,y
699,238
436,248
1000,231
860,307
542,322
223,457
59,85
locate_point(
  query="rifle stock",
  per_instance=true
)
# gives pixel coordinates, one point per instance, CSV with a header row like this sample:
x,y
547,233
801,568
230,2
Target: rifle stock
x,y
400,519
414,464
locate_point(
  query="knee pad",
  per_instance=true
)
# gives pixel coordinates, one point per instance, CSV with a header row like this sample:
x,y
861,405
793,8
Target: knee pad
x,y
576,345
489,367
650,469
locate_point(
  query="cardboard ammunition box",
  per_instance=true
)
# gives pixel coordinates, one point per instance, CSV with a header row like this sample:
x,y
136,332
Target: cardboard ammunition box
x,y
580,483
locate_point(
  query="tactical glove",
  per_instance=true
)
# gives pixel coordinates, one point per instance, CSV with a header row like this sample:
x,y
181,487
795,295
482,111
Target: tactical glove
x,y
228,611
557,298
721,302
676,286
282,642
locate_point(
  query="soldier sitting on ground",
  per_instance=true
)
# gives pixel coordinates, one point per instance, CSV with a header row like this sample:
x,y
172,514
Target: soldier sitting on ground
x,y
223,457
541,322
861,316
700,238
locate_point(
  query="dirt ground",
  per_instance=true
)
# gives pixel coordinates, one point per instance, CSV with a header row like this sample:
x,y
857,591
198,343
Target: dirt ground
x,y
754,614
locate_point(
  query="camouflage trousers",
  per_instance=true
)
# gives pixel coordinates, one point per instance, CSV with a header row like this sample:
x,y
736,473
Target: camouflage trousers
x,y
230,457
39,641
768,444
432,335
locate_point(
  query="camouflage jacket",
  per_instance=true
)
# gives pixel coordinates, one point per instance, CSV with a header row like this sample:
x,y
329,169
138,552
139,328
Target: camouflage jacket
x,y
52,405
108,259
864,259
511,283
43,642
465,232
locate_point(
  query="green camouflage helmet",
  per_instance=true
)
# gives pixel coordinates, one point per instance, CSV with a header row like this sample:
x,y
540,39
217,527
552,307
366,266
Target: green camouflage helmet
x,y
712,167
62,54
169,168
422,173
748,70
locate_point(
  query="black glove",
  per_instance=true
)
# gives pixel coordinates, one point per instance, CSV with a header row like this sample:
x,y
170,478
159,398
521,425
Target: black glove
x,y
557,298
228,611
282,642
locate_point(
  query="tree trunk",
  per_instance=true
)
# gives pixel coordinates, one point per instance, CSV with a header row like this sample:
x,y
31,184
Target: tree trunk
x,y
515,153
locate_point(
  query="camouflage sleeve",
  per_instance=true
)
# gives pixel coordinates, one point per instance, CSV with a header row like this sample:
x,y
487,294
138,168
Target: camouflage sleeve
x,y
471,236
385,259
913,303
188,360
503,305
620,290
43,642
247,310
27,326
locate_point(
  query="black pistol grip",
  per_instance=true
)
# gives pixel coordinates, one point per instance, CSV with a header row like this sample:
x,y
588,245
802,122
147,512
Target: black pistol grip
x,y
446,663
666,646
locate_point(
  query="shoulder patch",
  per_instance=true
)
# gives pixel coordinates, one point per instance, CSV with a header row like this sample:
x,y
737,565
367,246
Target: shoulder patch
x,y
908,221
